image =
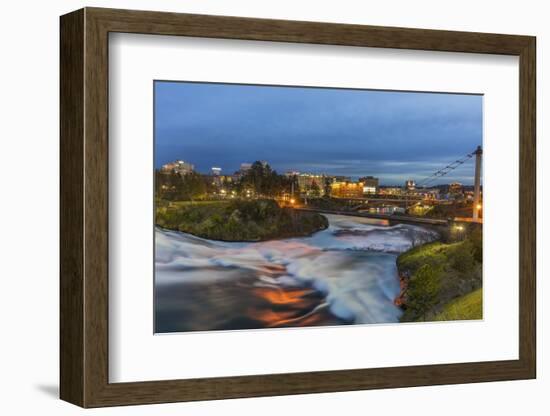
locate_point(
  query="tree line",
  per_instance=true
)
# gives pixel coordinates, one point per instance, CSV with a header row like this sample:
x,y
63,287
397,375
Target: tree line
x,y
259,181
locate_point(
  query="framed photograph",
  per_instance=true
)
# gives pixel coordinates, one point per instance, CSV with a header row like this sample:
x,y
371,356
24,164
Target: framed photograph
x,y
255,207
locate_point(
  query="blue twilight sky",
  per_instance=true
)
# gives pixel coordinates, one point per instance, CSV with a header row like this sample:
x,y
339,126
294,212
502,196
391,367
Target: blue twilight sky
x,y
392,135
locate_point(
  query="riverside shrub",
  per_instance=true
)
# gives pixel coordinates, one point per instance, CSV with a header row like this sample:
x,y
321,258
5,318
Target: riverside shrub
x,y
423,290
462,257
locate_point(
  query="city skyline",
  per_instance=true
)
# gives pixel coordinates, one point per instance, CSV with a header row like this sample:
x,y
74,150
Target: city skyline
x,y
394,136
219,172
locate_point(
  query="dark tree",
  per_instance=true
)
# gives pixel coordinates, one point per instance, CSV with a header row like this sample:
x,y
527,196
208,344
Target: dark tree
x,y
315,189
263,181
177,187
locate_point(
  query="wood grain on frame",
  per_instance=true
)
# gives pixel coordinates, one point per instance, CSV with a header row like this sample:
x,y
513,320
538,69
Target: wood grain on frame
x,y
72,215
84,207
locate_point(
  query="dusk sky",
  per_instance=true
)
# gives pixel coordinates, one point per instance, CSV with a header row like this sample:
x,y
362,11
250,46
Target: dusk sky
x,y
394,136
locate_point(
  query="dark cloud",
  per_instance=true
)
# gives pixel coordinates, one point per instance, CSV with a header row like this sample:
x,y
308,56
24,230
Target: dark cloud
x,y
392,135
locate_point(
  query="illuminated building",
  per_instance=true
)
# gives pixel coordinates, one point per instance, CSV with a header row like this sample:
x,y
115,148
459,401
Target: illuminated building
x,y
428,193
339,178
346,189
456,188
222,180
410,185
391,190
179,167
370,184
216,171
311,184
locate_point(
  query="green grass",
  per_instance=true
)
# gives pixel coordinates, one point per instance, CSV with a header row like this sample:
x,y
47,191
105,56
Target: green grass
x,y
434,254
440,273
466,307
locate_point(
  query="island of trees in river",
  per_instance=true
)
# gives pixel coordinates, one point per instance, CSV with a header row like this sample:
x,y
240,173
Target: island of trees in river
x,y
249,212
238,220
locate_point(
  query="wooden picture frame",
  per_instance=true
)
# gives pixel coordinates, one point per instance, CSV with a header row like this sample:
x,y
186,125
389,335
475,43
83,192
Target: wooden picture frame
x,y
84,207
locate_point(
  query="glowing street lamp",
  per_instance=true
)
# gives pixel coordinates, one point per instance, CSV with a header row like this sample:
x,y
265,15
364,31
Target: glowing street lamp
x,y
458,229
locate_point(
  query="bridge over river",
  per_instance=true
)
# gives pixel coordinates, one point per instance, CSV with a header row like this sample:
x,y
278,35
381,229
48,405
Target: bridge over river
x,y
390,217
415,199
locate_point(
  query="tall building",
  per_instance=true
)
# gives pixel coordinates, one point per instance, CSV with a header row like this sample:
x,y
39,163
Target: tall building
x,y
216,171
370,184
179,167
245,167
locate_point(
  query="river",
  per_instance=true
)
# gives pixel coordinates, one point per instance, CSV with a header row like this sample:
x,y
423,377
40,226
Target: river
x,y
345,274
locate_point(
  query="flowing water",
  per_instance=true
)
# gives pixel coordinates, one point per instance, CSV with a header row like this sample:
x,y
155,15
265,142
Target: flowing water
x,y
345,274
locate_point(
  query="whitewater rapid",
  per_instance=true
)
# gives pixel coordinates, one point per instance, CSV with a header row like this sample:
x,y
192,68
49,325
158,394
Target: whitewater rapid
x,y
345,274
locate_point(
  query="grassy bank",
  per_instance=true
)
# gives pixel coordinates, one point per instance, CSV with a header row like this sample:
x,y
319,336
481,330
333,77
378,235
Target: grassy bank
x,y
440,277
465,307
255,220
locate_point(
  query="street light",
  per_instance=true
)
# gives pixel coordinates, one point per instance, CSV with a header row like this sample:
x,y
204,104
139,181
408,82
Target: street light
x,y
458,231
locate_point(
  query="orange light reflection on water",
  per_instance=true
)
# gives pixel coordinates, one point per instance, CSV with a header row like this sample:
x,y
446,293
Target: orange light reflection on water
x,y
295,305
